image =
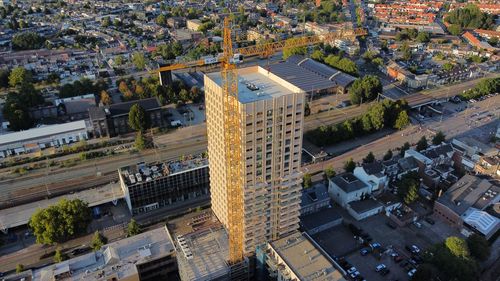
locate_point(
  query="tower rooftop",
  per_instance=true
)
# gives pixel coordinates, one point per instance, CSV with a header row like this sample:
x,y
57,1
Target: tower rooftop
x,y
256,83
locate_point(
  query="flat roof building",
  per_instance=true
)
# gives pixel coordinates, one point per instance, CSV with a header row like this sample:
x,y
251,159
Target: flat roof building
x,y
147,256
155,185
202,245
296,257
39,138
271,120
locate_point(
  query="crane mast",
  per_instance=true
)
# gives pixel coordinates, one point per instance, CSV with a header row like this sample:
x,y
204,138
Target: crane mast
x,y
232,141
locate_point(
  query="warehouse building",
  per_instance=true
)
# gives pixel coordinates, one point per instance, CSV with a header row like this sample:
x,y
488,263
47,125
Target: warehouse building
x,y
311,76
36,139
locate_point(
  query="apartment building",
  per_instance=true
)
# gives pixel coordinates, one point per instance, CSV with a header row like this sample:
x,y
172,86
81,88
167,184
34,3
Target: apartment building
x,y
271,117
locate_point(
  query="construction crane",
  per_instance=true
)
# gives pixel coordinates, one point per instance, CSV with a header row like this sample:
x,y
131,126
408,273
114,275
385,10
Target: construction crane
x,y
232,137
267,49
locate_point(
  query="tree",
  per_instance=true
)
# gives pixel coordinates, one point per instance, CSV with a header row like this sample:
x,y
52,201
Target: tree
x,y
106,21
18,76
422,144
119,60
97,241
365,89
388,155
133,228
138,119
425,272
438,138
4,78
457,246
290,51
161,20
139,60
318,55
404,148
105,98
412,193
478,246
448,66
369,158
378,61
307,181
402,121
349,166
470,17
60,222
455,29
27,41
19,268
376,114
423,37
59,256
140,141
406,51
330,173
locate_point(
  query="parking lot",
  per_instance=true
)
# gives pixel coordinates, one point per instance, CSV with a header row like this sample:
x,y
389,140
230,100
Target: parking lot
x,y
340,243
187,115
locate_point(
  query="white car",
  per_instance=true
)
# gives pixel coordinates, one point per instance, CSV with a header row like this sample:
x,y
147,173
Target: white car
x,y
412,272
380,267
354,274
351,270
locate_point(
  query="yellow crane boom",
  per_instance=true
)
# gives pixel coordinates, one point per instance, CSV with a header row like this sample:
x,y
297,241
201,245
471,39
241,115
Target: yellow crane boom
x,y
268,49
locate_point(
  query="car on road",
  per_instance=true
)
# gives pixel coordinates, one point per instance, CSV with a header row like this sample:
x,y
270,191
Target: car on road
x,y
430,221
412,272
380,267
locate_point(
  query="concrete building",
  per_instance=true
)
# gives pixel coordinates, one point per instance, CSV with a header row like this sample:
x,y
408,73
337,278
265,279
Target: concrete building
x,y
271,118
346,188
372,174
147,256
466,201
113,120
156,185
35,139
314,199
202,245
297,257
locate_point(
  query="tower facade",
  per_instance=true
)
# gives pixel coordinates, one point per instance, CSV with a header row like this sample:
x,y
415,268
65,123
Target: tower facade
x,y
271,113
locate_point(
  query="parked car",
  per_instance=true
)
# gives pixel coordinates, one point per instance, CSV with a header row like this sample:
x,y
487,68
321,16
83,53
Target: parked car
x,y
380,267
417,224
403,264
375,245
412,272
351,270
398,259
354,274
364,252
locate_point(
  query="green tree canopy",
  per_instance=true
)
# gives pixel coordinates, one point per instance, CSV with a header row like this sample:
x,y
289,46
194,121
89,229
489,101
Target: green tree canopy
x,y
346,65
478,246
423,37
97,241
349,166
365,89
457,246
19,268
369,158
290,51
307,181
139,60
59,256
388,155
330,173
18,76
422,144
27,41
402,121
140,141
404,148
138,119
470,17
133,228
59,222
438,138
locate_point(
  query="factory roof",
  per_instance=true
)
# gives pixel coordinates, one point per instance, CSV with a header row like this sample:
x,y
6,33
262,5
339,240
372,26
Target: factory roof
x,y
124,107
310,75
256,84
305,260
42,132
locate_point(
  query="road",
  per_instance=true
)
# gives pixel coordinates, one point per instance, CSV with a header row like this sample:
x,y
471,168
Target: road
x,y
189,140
451,126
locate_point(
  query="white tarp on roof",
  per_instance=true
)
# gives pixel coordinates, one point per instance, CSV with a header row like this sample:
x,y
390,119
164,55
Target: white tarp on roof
x,y
480,220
